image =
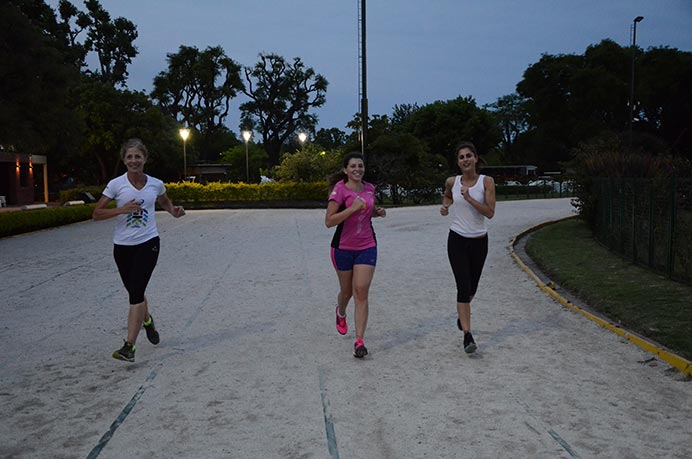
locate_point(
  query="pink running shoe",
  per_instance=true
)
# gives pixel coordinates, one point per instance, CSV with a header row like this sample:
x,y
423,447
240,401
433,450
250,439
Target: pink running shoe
x,y
341,325
359,349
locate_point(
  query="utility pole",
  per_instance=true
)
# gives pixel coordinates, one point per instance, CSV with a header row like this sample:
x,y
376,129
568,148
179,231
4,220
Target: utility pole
x,y
363,82
634,54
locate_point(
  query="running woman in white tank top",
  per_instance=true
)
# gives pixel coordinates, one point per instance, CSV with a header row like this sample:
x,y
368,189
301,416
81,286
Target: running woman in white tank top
x,y
470,198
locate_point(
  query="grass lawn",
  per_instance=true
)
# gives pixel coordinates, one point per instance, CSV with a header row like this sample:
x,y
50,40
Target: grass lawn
x,y
638,299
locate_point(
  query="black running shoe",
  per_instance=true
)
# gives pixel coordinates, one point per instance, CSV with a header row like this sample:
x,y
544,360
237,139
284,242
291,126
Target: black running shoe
x,y
469,344
127,352
359,349
152,334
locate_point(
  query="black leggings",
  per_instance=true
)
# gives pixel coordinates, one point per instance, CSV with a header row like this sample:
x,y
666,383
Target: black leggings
x,y
467,257
135,264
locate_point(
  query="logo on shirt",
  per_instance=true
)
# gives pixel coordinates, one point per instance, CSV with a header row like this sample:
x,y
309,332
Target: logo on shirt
x,y
138,219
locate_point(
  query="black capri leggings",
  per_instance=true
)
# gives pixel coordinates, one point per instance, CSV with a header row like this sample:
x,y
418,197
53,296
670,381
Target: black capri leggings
x,y
467,257
135,264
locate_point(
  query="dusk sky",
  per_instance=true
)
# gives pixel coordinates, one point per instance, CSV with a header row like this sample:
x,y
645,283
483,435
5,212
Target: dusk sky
x,y
417,51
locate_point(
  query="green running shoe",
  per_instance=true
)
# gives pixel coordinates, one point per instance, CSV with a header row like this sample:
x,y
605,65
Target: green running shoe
x,y
152,334
127,352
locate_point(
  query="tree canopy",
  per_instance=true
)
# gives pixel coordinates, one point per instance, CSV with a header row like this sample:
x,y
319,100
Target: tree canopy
x,y
63,91
196,89
573,98
442,125
34,78
281,95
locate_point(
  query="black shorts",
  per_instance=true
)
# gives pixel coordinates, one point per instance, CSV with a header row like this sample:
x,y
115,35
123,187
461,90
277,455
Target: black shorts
x,y
136,263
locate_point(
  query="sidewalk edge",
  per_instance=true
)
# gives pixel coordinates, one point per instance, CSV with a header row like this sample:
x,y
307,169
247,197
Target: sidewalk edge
x,y
684,365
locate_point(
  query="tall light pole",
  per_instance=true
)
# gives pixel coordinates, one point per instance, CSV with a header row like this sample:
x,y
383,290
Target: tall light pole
x,y
363,82
184,133
302,137
246,136
634,53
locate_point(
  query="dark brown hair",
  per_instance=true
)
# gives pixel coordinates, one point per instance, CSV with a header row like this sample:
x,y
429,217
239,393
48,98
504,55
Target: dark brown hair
x,y
470,146
340,175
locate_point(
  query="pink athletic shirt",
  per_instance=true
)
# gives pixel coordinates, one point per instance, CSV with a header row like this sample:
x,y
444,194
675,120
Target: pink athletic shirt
x,y
354,233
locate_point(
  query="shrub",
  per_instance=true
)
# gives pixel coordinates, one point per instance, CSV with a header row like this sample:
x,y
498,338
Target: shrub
x,y
75,194
311,164
18,222
229,192
12,223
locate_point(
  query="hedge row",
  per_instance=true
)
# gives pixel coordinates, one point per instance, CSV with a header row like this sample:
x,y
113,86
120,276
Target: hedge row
x,y
227,192
76,194
224,192
17,222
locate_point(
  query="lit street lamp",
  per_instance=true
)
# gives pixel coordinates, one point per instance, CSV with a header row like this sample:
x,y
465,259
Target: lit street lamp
x,y
302,137
184,133
634,53
246,136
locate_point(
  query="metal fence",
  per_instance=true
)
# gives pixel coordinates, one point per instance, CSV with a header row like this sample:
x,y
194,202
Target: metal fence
x,y
648,221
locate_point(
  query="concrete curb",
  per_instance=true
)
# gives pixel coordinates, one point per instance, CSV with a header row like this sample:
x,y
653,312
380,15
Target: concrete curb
x,y
684,365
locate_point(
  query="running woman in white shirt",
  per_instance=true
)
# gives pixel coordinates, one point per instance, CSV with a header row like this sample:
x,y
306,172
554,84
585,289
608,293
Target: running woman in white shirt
x,y
471,197
136,238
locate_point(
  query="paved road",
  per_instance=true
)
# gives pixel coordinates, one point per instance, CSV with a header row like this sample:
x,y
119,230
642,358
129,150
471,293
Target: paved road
x,y
250,365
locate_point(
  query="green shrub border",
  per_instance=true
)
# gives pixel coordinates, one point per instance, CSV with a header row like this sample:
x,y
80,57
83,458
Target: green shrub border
x,y
231,192
214,195
24,221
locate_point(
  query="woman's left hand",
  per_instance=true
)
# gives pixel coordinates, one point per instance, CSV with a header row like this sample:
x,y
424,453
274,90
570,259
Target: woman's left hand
x,y
380,211
178,211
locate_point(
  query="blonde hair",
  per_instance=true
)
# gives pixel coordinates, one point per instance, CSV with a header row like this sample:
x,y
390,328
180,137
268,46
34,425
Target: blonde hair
x,y
137,144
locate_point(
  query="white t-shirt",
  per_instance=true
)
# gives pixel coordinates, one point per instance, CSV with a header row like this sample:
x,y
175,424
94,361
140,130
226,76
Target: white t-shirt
x,y
135,228
467,221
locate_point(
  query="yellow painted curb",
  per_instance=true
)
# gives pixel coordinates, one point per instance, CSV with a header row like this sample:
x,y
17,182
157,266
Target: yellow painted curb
x,y
673,360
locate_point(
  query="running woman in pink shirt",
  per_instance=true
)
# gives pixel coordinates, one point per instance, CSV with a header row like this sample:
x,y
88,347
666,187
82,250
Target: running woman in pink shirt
x,y
350,208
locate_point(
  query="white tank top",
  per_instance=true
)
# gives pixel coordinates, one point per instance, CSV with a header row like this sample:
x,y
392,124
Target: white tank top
x,y
466,220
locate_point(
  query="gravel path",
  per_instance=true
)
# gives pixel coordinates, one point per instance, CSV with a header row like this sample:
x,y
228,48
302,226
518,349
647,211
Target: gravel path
x,y
250,364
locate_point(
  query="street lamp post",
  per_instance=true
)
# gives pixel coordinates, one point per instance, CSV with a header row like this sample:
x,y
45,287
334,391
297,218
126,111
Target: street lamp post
x,y
634,53
246,136
184,133
302,137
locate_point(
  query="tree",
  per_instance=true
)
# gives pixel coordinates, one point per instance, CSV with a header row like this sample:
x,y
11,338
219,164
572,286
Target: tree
x,y
576,98
664,95
310,164
72,23
401,162
442,125
330,139
234,157
377,126
196,89
34,78
511,116
281,95
107,117
401,113
112,40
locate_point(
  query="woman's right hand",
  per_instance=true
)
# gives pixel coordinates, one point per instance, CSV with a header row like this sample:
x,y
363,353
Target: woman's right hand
x,y
357,204
132,207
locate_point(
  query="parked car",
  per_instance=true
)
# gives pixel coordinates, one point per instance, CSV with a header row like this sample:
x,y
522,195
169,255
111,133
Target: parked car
x,y
554,186
512,183
549,184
